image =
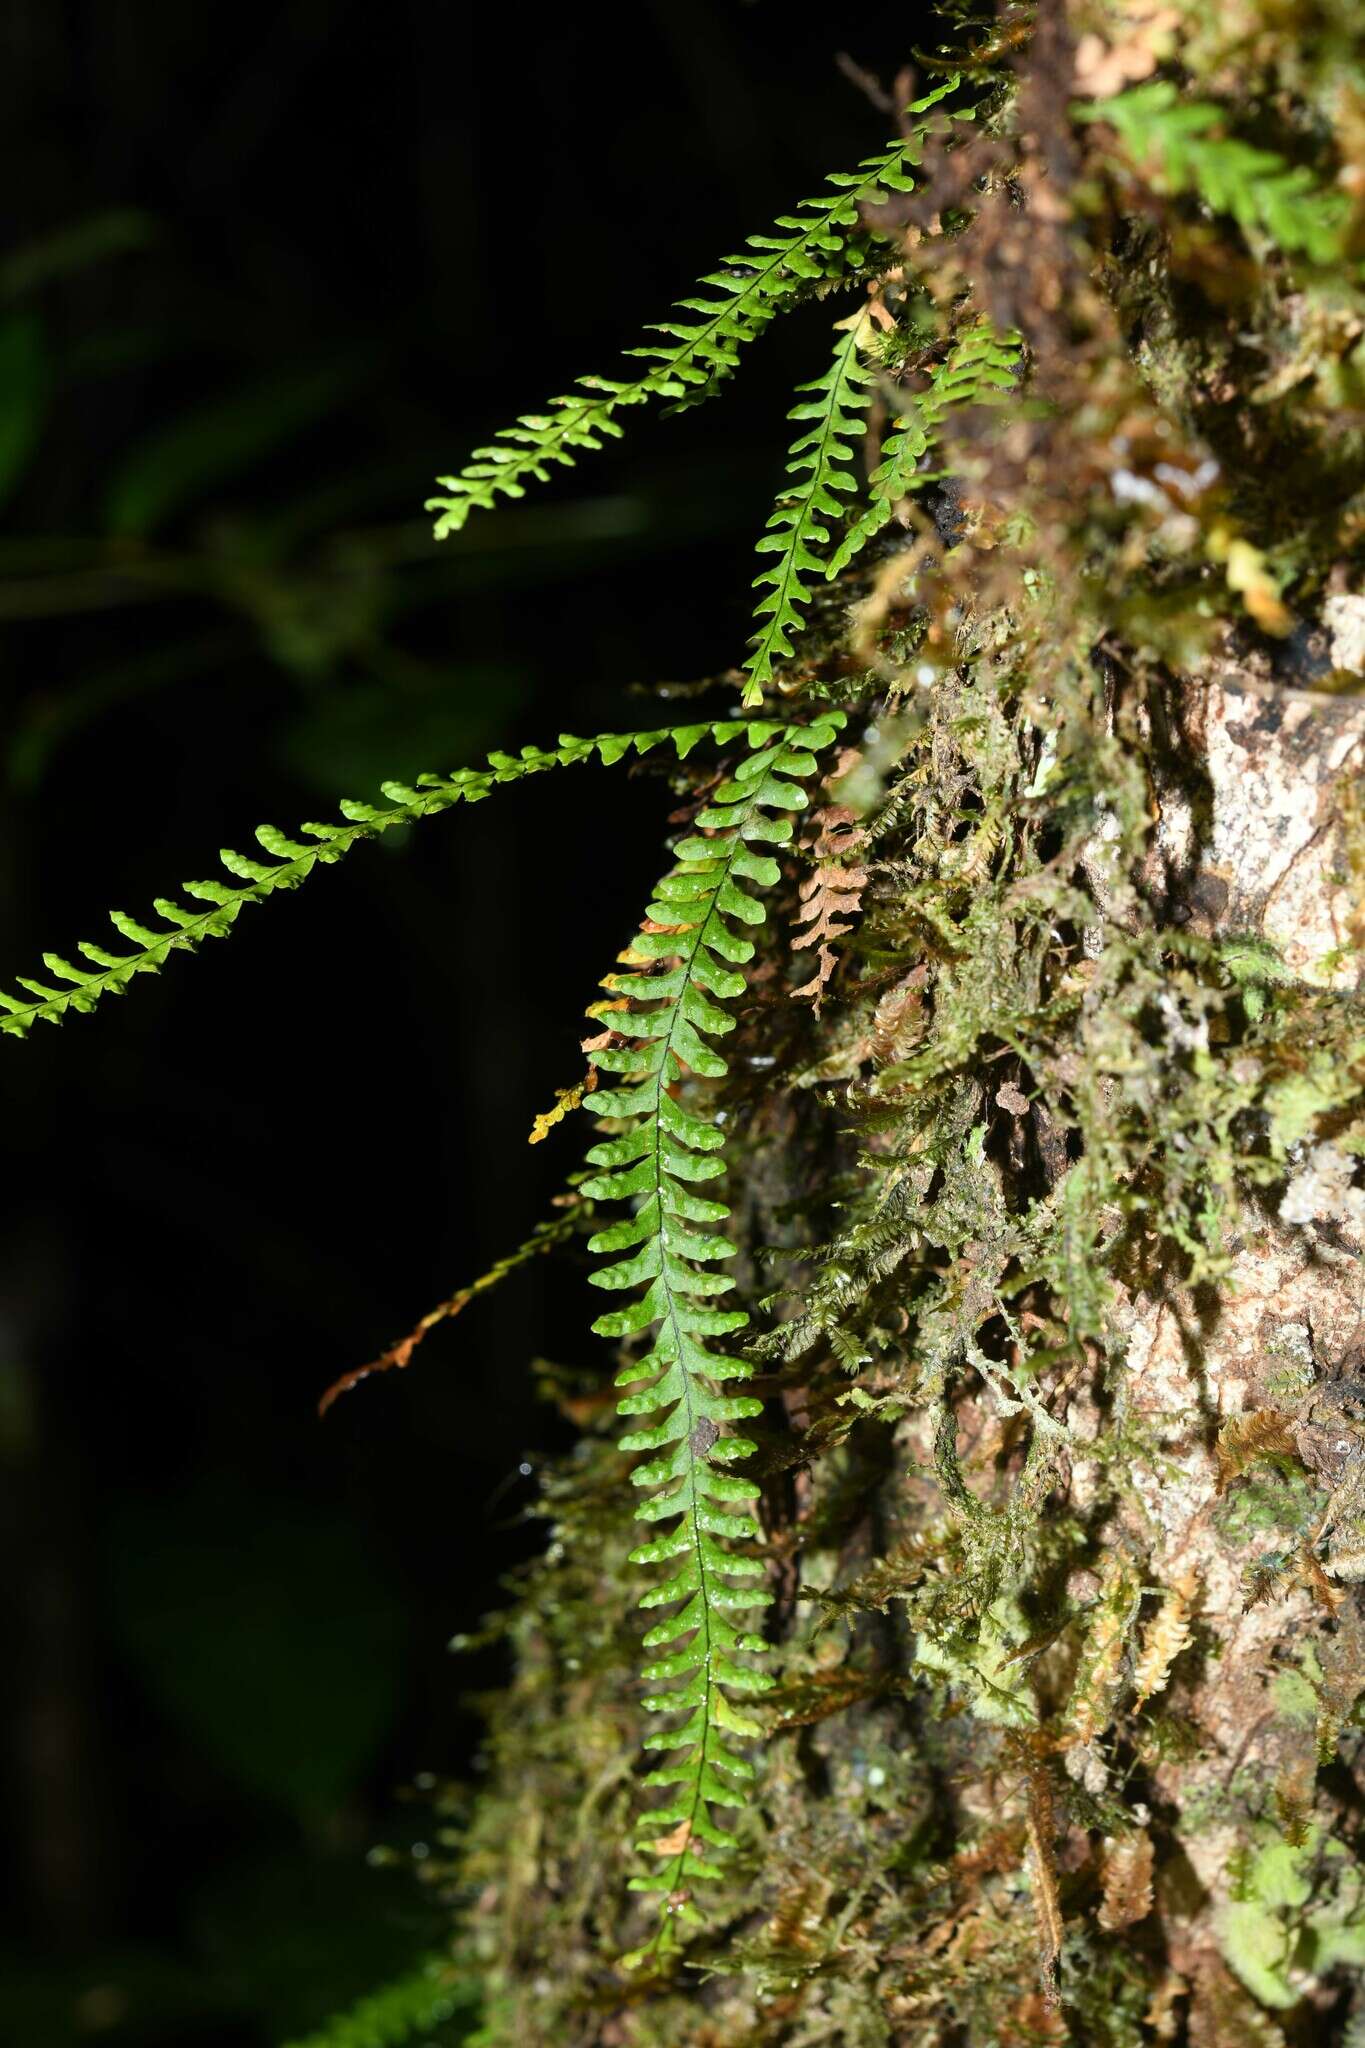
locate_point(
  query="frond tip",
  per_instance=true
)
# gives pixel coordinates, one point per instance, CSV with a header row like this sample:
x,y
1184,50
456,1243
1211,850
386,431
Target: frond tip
x,y
684,964
819,462
820,241
293,860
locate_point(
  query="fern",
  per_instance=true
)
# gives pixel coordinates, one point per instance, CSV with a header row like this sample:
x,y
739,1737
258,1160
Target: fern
x,y
661,1017
293,862
813,246
548,1235
1262,192
980,369
819,458
409,2007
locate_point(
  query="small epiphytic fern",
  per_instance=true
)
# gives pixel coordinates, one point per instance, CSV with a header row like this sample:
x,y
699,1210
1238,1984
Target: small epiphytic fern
x,y
684,967
831,410
820,242
981,368
1186,143
405,2011
293,861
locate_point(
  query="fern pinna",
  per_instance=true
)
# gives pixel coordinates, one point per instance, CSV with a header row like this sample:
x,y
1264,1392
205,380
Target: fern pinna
x,y
662,1014
821,242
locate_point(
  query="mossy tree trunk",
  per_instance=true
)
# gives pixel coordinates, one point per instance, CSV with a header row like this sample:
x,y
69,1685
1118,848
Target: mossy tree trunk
x,y
1046,1181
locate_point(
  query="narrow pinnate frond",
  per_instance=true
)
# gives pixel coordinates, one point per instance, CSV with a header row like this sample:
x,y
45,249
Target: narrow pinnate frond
x,y
685,966
819,462
291,861
819,242
1184,140
981,368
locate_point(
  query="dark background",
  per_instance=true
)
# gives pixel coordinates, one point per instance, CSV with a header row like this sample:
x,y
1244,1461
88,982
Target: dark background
x,y
268,270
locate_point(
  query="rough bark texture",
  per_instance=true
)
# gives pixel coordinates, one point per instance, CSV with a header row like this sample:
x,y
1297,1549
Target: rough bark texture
x,y
1063,1460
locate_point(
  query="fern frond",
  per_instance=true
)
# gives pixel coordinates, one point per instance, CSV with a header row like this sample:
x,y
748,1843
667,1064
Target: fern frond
x,y
831,896
819,458
980,369
662,1017
409,2007
1127,1881
816,243
292,861
1263,193
547,1236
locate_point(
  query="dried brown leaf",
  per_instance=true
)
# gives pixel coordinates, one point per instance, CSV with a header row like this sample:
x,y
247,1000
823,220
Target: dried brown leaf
x,y
1161,2016
1328,1596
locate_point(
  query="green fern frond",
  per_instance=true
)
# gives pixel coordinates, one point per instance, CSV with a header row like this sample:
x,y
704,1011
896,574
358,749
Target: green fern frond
x,y
409,2007
662,1017
980,369
819,457
292,861
816,243
1262,192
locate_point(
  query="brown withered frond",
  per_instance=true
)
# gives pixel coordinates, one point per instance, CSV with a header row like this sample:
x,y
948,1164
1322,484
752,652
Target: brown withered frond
x,y
1161,2017
816,1695
1245,1438
830,897
1127,1881
546,1236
